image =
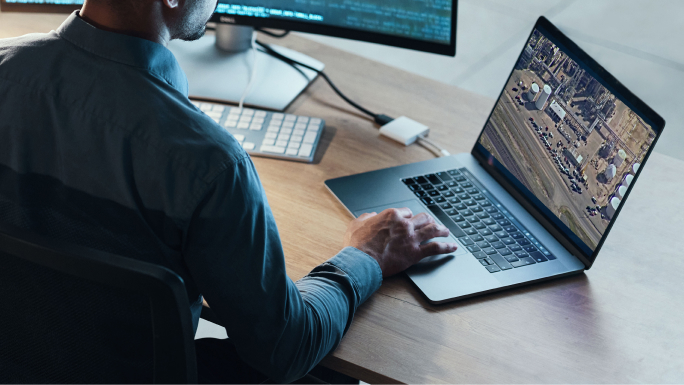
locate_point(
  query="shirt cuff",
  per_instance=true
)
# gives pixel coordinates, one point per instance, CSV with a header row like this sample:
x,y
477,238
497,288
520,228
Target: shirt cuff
x,y
363,270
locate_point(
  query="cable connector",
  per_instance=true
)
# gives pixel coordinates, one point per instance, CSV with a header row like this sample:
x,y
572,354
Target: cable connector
x,y
382,119
404,130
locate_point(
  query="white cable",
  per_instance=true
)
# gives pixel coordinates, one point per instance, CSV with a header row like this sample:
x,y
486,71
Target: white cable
x,y
252,73
440,151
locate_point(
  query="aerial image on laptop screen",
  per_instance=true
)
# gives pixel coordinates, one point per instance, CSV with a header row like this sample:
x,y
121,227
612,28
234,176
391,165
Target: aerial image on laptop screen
x,y
566,138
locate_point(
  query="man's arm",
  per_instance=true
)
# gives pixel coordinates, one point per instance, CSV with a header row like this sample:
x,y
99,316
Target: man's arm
x,y
279,327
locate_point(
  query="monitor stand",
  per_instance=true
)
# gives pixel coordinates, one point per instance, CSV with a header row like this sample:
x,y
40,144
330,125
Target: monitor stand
x,y
219,68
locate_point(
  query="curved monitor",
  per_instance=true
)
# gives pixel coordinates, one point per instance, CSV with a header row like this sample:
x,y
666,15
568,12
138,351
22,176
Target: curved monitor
x,y
42,6
423,25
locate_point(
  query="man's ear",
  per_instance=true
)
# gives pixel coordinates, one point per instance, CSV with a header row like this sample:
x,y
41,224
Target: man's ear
x,y
171,3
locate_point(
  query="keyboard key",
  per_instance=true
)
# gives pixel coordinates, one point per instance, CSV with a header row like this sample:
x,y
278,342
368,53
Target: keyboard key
x,y
466,185
470,231
440,199
478,197
230,124
482,215
486,232
312,128
278,116
239,137
309,137
296,132
466,213
290,118
273,149
489,261
284,137
291,151
442,187
498,245
491,238
281,143
273,129
508,241
477,238
472,219
477,209
270,135
428,201
511,258
495,228
538,257
305,150
489,251
504,222
530,249
470,202
300,126
454,172
523,242
484,262
286,131
294,146
433,179
472,248
491,210
296,138
315,121
433,193
517,236
464,225
501,262
497,216
489,221
485,203
454,200
248,146
493,269
448,194
421,180
472,191
523,262
302,119
461,206
479,225
505,252
465,241
479,255
501,234
421,194
268,142
482,244
247,112
458,218
521,254
242,126
258,121
460,178
515,248
444,176
260,114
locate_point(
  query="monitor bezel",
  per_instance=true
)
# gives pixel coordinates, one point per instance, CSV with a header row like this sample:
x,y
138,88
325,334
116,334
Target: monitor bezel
x,y
347,33
498,171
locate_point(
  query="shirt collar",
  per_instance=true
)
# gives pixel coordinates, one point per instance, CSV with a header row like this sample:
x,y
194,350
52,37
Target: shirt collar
x,y
136,52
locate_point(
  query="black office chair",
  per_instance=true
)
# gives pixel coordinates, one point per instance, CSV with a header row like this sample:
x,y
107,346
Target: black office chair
x,y
83,316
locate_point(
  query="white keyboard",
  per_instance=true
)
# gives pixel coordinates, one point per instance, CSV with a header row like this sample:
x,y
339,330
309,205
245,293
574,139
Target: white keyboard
x,y
268,134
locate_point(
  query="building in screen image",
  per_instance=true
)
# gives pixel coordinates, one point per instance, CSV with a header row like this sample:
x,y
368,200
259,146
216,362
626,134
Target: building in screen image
x,y
568,139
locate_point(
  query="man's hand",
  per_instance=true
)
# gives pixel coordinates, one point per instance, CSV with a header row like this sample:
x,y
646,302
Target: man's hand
x,y
394,237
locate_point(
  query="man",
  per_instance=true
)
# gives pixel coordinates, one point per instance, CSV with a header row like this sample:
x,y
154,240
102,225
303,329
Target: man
x,y
99,145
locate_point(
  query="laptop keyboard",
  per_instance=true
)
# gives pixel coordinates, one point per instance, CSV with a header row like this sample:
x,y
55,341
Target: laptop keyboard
x,y
477,220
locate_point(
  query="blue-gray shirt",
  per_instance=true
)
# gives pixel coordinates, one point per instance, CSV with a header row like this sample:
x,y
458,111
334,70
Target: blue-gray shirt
x,y
100,146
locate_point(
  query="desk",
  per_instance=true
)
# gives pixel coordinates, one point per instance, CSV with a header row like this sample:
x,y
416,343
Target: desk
x,y
621,322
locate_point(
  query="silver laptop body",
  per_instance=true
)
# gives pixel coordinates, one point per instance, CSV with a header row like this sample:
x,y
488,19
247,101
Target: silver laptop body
x,y
538,194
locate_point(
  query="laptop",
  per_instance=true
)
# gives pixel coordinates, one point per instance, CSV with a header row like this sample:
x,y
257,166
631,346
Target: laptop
x,y
537,196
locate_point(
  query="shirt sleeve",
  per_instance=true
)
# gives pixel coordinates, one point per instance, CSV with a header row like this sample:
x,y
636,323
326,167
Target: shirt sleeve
x,y
233,251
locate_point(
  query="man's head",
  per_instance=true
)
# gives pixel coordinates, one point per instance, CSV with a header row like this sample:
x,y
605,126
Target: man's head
x,y
156,20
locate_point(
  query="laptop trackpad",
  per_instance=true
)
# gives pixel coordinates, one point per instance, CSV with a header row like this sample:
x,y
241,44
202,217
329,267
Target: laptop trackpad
x,y
416,208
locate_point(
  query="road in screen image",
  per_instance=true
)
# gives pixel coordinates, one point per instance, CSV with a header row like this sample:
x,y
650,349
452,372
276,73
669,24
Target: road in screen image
x,y
570,141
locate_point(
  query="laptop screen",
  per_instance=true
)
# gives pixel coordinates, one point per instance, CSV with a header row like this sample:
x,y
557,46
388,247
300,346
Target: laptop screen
x,y
564,136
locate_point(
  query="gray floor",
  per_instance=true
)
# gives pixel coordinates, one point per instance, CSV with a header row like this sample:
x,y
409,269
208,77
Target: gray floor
x,y
640,42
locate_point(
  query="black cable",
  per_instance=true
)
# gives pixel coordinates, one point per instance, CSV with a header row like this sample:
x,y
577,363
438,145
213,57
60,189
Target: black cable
x,y
273,34
380,119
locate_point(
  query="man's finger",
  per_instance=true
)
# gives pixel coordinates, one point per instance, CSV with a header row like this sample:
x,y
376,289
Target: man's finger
x,y
422,219
430,231
365,216
398,213
436,248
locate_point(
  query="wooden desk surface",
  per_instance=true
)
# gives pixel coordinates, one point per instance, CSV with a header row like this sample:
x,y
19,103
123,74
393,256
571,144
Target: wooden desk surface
x,y
620,322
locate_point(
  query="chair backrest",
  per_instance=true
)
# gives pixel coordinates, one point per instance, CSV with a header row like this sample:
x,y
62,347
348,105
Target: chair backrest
x,y
74,315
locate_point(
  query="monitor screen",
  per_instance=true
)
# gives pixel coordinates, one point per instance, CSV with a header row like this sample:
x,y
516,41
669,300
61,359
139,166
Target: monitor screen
x,y
46,6
426,25
566,139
